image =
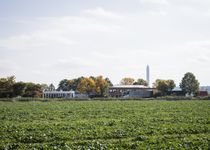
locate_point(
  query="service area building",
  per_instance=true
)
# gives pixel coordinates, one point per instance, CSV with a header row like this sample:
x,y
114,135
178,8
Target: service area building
x,y
131,91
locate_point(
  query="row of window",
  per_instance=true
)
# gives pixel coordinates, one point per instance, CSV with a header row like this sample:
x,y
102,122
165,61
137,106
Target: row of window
x,y
53,95
122,90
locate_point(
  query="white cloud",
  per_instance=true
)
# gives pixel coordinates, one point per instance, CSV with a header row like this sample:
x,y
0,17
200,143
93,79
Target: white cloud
x,y
8,67
103,55
75,63
100,12
155,7
160,2
158,13
58,31
34,40
207,13
100,41
197,46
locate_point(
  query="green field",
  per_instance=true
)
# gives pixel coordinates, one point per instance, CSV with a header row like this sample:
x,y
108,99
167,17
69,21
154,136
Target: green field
x,y
105,125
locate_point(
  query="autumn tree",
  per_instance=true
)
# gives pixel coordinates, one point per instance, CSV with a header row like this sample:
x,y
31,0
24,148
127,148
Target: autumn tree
x,y
10,88
127,81
164,86
141,82
189,84
101,85
87,85
73,83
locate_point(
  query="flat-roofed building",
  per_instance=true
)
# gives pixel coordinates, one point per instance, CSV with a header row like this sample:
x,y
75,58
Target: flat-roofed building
x,y
58,94
131,91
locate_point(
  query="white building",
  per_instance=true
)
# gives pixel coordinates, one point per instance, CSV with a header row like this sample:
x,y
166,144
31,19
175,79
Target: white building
x,y
58,94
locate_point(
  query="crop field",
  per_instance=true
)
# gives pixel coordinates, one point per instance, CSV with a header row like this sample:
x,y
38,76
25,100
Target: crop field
x,y
103,125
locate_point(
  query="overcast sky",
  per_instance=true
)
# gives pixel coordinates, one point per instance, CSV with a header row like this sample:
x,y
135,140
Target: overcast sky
x,y
45,41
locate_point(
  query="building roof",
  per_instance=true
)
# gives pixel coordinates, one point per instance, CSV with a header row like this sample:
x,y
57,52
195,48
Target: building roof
x,y
59,92
205,88
177,89
131,87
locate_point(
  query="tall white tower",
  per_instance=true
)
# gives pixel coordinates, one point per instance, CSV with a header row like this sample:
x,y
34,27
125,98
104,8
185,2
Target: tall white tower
x,y
147,75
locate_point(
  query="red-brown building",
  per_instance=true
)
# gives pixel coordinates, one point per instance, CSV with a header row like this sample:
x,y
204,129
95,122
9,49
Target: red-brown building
x,y
203,93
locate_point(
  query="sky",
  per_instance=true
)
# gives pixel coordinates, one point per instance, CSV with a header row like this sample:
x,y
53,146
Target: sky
x,y
45,41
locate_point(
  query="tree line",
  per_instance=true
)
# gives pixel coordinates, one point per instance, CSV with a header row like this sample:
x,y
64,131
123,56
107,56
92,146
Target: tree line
x,y
164,87
93,86
189,84
10,88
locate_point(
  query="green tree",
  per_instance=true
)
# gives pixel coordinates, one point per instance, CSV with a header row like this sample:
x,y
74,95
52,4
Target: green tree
x,y
19,88
127,81
73,84
189,84
33,90
141,82
51,87
6,86
67,85
171,85
109,82
63,85
44,86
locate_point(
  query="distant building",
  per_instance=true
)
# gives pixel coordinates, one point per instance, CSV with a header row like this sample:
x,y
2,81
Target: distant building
x,y
81,95
205,88
131,91
58,94
177,91
203,91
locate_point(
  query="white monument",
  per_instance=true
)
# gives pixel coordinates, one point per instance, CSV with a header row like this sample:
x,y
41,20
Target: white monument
x,y
147,75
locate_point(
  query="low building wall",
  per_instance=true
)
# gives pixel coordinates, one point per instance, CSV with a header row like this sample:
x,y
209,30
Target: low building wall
x,y
58,94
